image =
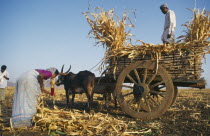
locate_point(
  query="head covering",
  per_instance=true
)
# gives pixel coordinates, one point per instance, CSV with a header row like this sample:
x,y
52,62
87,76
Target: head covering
x,y
52,70
164,6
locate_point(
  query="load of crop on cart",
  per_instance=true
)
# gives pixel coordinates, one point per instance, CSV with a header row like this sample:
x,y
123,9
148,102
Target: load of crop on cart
x,y
113,34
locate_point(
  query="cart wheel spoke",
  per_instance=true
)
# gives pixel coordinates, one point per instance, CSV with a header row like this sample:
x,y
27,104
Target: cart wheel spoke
x,y
161,94
128,94
130,101
145,75
150,80
158,100
127,86
153,100
156,96
161,87
156,84
131,79
147,104
137,76
139,105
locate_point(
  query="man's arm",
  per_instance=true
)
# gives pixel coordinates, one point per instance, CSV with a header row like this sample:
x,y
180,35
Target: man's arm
x,y
6,76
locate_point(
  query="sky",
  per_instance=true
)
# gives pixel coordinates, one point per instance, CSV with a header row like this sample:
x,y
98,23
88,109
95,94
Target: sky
x,y
49,33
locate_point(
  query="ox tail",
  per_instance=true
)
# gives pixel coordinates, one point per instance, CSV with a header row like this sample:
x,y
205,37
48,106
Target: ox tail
x,y
92,84
93,81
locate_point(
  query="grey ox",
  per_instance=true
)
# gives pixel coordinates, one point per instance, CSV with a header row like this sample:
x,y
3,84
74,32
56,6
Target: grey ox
x,y
107,89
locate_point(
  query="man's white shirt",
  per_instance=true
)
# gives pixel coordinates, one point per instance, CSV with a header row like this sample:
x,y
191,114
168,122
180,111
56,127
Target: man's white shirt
x,y
170,21
3,81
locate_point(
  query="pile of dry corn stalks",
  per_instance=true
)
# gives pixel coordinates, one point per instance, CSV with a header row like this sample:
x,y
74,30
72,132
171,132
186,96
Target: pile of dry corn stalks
x,y
108,29
77,122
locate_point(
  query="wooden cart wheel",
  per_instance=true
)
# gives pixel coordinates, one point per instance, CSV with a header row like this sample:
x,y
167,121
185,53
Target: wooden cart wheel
x,y
137,93
175,95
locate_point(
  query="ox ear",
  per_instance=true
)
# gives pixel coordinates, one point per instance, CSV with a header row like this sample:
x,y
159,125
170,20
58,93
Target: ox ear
x,y
62,68
68,69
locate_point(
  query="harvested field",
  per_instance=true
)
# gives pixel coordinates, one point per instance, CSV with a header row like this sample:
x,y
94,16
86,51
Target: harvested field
x,y
190,115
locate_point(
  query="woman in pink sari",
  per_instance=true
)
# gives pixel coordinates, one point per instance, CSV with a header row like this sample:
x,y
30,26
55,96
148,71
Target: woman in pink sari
x,y
29,86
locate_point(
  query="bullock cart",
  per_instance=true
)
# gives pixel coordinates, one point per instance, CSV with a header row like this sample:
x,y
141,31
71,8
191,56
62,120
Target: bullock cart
x,y
147,87
147,75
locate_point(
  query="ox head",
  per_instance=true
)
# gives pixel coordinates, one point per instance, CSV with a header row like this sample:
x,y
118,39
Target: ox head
x,y
62,75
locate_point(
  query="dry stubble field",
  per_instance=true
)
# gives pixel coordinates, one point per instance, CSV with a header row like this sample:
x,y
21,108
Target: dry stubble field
x,y
190,115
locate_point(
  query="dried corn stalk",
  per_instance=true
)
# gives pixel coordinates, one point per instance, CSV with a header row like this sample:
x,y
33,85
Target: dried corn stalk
x,y
199,27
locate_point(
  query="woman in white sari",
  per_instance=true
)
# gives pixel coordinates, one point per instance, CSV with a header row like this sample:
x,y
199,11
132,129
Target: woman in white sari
x,y
28,89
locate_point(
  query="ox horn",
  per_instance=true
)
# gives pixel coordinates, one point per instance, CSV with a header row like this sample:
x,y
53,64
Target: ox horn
x,y
68,69
62,69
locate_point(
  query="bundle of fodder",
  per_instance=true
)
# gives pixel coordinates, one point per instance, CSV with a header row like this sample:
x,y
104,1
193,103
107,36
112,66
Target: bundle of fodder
x,y
103,24
108,28
77,123
198,29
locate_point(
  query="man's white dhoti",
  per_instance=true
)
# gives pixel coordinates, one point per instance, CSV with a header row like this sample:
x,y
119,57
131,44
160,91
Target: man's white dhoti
x,y
165,36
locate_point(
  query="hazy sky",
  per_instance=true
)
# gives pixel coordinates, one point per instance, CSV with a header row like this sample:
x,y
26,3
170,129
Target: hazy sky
x,y
45,33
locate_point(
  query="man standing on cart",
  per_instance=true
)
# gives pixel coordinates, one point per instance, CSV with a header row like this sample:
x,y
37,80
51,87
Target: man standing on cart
x,y
170,24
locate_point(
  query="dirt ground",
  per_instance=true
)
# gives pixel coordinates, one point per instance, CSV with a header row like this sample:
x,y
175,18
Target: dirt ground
x,y
189,115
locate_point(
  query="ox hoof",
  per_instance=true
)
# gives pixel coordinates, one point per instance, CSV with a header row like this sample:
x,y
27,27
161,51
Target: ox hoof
x,y
91,112
68,107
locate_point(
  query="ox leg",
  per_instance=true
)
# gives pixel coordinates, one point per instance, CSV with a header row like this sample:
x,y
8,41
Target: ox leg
x,y
109,99
67,98
88,96
72,100
106,97
115,99
90,100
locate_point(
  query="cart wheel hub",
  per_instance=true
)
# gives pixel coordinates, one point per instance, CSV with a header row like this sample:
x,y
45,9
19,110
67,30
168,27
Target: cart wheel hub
x,y
141,90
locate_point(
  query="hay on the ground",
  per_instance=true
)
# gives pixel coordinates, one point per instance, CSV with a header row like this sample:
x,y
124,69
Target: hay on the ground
x,y
77,122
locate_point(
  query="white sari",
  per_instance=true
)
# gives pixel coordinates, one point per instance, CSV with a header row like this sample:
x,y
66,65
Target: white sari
x,y
25,99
